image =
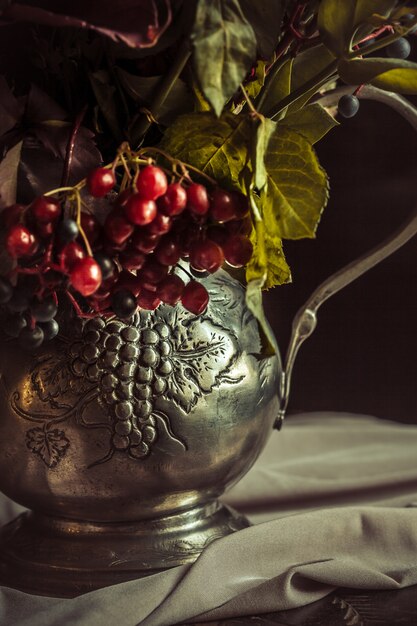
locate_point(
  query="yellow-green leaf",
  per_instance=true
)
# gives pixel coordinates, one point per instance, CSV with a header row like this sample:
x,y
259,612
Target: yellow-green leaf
x,y
219,147
297,187
313,122
389,74
268,263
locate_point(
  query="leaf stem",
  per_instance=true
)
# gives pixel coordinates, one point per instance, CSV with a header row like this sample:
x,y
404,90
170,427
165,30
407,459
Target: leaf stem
x,y
142,125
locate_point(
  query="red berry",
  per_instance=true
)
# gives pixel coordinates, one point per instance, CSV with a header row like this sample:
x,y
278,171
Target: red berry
x,y
20,241
117,228
100,181
70,255
195,297
129,281
224,205
239,227
170,289
148,300
206,255
238,250
160,225
174,201
151,182
197,199
140,211
11,215
45,209
144,242
45,229
90,226
168,252
153,272
132,259
85,276
218,234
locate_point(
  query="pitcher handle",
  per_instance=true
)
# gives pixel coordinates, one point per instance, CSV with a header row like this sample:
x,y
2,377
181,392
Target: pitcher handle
x,y
305,320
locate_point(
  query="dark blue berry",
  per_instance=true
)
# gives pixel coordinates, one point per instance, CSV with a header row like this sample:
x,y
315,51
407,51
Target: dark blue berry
x,y
106,264
31,338
50,329
13,325
44,310
68,230
124,303
398,49
6,290
348,106
18,302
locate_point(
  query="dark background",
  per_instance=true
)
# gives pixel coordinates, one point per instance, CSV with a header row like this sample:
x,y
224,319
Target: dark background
x,y
362,356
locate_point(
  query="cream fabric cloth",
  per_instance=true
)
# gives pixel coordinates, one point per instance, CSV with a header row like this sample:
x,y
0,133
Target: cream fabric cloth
x,y
334,498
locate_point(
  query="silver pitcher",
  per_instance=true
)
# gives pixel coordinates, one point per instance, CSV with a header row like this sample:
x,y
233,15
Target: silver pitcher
x,y
121,436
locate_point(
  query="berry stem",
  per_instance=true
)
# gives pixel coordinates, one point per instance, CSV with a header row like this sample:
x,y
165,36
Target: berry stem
x,y
177,162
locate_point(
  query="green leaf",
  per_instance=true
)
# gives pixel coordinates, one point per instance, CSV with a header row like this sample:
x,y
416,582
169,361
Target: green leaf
x,y
313,122
265,18
337,21
9,168
389,74
265,129
142,89
297,188
255,305
219,147
307,65
224,49
279,86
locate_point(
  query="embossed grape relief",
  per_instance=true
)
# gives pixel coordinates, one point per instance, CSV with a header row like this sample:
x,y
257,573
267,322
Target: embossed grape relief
x,y
131,369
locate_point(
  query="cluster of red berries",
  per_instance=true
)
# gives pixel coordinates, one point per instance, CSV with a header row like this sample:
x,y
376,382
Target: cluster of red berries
x,y
127,262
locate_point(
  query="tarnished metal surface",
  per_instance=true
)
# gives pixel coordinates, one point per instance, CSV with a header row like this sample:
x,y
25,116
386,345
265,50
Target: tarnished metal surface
x,y
128,424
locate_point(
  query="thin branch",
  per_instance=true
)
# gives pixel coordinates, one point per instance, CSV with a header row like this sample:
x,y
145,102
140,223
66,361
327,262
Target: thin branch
x,y
142,125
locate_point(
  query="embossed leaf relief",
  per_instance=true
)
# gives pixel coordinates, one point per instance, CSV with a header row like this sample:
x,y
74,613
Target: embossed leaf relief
x,y
49,444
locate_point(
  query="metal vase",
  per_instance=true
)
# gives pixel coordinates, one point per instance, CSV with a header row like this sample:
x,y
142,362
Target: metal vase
x,y
120,436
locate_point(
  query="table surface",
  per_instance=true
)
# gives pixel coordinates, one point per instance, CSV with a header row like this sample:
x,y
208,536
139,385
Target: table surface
x,y
344,607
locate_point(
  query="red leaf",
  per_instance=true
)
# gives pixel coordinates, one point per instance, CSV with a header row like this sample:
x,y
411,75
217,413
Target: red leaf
x,y
137,23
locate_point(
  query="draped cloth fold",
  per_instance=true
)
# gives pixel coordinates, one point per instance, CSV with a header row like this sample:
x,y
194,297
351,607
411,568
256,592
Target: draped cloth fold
x,y
333,499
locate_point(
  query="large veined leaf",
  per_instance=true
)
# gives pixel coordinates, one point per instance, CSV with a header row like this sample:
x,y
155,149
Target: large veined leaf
x,y
389,74
224,49
219,147
297,187
338,21
312,121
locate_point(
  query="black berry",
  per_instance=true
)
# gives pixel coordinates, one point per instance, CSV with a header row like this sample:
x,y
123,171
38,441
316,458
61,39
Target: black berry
x,y
68,230
106,264
31,338
124,303
44,310
398,49
13,325
348,106
50,329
